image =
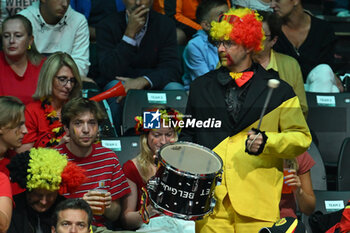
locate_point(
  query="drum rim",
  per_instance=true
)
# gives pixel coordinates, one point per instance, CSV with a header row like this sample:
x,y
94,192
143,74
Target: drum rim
x,y
194,175
179,215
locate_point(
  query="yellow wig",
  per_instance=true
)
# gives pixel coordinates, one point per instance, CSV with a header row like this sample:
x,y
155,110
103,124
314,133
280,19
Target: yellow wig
x,y
45,169
242,26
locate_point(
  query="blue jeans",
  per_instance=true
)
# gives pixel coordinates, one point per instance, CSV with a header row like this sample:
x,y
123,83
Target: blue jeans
x,y
117,108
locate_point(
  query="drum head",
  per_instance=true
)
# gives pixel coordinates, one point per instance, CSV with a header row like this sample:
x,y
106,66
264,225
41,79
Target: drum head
x,y
191,158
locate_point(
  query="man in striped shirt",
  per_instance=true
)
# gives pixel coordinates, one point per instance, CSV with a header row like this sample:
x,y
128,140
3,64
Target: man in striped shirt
x,y
80,118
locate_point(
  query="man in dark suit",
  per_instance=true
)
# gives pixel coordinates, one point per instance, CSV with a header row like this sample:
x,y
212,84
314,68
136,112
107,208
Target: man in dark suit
x,y
137,47
248,198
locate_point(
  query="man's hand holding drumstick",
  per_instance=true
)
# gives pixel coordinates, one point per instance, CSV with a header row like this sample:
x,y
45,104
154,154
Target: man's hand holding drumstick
x,y
256,139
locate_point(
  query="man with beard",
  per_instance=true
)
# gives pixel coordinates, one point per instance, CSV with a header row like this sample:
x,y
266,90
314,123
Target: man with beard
x,y
249,195
81,118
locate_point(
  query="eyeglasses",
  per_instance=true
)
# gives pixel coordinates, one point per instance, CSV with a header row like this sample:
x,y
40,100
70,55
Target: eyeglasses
x,y
226,43
63,80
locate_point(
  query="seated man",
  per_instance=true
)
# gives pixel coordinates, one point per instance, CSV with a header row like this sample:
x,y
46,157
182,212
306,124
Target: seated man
x,y
46,175
74,214
200,56
137,47
57,27
80,118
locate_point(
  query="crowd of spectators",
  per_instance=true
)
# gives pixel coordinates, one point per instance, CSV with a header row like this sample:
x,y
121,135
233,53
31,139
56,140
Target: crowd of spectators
x,y
52,49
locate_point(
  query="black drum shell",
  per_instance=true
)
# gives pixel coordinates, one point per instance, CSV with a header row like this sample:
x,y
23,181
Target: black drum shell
x,y
182,193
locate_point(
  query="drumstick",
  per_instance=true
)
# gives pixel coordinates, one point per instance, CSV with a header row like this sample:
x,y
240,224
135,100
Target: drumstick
x,y
181,157
272,84
208,166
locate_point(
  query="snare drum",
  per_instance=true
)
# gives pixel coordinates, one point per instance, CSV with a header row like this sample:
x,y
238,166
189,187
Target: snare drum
x,y
184,184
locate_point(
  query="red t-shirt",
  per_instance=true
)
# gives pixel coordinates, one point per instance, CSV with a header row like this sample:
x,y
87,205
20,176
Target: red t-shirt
x,y
102,169
5,187
288,204
15,85
39,129
16,189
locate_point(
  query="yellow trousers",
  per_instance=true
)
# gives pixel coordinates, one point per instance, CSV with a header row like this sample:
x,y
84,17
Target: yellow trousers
x,y
226,219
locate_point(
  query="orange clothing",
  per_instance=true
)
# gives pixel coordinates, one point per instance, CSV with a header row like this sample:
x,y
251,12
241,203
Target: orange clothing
x,y
183,11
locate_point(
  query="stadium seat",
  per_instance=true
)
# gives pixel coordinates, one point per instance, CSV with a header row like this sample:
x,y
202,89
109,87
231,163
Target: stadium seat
x,y
318,171
329,119
343,175
327,202
125,147
138,101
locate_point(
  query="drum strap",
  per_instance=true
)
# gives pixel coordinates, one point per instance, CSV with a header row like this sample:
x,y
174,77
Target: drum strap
x,y
143,210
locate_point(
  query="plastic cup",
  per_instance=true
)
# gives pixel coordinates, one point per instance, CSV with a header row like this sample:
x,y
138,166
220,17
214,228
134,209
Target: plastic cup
x,y
286,189
101,193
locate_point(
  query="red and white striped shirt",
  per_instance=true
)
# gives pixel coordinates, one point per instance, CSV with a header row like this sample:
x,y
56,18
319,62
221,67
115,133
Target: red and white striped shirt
x,y
102,171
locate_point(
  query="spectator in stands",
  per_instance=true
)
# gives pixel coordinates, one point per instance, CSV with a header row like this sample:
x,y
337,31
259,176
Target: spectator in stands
x,y
57,27
20,62
311,42
46,175
200,56
137,47
141,168
95,11
344,222
81,118
12,131
300,191
287,67
72,215
5,203
59,81
184,14
248,198
10,8
262,5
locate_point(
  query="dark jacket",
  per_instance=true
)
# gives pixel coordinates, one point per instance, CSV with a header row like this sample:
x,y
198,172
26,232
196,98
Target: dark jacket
x,y
207,101
157,57
25,219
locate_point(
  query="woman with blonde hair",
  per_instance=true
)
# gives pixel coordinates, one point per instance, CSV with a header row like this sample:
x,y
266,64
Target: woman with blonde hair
x,y
12,131
59,81
20,62
141,168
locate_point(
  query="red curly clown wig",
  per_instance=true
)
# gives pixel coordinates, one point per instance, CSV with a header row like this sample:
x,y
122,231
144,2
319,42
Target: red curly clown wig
x,y
242,26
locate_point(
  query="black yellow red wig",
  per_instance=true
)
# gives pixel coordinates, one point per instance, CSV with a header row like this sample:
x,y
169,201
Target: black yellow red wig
x,y
242,26
47,169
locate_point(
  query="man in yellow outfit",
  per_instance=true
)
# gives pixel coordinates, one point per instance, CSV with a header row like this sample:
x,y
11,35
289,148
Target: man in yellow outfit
x,y
248,198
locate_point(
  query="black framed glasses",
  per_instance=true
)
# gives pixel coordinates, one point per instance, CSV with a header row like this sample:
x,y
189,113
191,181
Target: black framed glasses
x,y
226,43
63,80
